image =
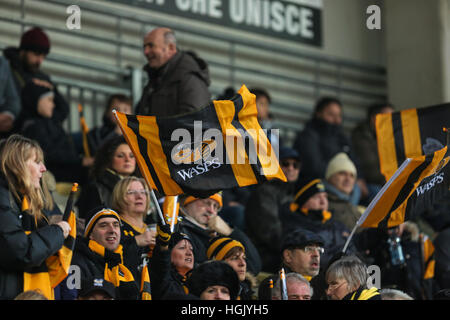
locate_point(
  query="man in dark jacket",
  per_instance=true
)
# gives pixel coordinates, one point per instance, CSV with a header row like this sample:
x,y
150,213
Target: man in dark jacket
x,y
178,81
9,99
25,63
202,223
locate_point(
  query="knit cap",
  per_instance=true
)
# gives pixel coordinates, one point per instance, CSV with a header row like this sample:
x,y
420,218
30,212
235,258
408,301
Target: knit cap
x,y
35,40
340,162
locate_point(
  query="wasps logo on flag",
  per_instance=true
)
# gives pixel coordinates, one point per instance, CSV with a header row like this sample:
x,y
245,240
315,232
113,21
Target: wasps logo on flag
x,y
222,146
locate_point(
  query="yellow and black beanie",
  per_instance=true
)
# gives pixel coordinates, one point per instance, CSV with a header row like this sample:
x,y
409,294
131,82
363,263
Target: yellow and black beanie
x,y
306,191
96,214
220,246
216,196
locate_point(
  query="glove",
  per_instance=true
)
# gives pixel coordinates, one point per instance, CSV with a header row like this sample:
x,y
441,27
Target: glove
x,y
163,234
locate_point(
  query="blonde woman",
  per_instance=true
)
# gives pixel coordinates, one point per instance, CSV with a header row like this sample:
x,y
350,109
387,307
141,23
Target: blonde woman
x,y
27,238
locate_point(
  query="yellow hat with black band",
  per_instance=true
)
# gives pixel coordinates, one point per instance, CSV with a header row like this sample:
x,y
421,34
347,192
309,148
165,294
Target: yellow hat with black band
x,y
98,214
220,246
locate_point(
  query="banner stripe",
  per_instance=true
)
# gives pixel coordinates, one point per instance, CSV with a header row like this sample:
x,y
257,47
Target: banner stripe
x,y
386,148
411,132
398,137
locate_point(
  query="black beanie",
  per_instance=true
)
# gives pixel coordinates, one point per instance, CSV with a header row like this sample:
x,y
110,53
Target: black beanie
x,y
213,273
35,40
305,191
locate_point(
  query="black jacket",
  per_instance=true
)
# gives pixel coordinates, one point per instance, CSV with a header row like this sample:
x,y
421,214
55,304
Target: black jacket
x,y
200,243
180,86
19,251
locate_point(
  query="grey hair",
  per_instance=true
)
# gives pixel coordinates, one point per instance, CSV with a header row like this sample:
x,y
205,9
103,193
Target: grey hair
x,y
169,37
394,294
290,277
351,269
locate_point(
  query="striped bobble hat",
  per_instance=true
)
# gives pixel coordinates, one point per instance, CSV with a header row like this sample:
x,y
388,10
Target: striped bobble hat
x,y
97,214
220,246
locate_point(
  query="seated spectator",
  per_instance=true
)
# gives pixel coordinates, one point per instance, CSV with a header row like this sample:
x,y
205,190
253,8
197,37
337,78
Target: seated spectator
x,y
99,254
9,99
113,161
297,287
130,198
202,223
96,289
322,138
233,253
394,294
309,211
263,210
109,129
364,141
343,194
171,261
214,280
60,153
347,280
301,252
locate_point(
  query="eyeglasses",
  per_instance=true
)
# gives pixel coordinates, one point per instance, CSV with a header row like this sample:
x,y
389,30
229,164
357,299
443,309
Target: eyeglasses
x,y
312,249
142,192
294,164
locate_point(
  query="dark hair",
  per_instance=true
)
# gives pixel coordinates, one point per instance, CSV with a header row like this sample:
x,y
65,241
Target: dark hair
x,y
258,92
376,108
324,102
120,98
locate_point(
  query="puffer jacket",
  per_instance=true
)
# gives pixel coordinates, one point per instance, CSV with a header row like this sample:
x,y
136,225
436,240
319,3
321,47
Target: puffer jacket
x,y
180,86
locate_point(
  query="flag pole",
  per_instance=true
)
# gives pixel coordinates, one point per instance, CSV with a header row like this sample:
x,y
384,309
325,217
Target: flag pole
x,y
350,238
283,286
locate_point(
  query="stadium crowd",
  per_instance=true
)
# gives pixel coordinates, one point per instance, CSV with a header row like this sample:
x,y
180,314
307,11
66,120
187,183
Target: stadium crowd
x,y
271,241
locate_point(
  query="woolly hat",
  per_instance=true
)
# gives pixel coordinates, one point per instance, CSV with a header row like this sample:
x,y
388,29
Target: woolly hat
x,y
340,162
306,191
300,238
220,246
216,196
96,214
35,40
90,285
177,237
213,273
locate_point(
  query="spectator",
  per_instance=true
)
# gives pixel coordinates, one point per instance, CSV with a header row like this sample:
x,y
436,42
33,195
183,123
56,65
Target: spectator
x,y
322,138
170,263
347,280
96,289
25,62
343,197
31,295
233,253
9,99
178,80
262,214
309,211
110,129
61,155
113,161
26,238
214,280
131,199
297,287
442,256
393,294
99,254
364,141
201,223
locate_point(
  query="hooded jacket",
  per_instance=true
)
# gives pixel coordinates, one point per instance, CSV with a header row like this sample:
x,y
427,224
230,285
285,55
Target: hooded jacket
x,y
178,87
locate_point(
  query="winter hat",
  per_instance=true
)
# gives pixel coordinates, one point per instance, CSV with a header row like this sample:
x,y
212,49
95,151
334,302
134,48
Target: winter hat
x,y
213,273
177,237
35,40
96,214
306,191
340,162
220,246
300,238
216,196
90,285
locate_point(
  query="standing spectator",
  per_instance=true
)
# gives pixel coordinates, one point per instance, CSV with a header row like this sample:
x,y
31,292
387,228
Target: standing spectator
x,y
202,223
263,224
364,142
25,62
178,80
343,197
322,138
26,237
297,287
60,153
97,289
99,254
113,161
347,280
9,99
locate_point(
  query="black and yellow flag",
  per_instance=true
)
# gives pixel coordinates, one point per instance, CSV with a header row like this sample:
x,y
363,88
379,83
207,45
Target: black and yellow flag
x,y
146,292
416,184
410,133
218,147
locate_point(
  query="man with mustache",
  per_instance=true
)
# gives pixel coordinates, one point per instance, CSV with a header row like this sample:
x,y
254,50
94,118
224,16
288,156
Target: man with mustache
x,y
178,80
